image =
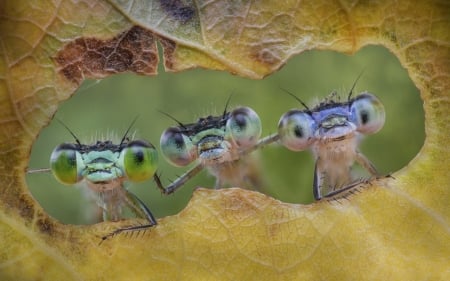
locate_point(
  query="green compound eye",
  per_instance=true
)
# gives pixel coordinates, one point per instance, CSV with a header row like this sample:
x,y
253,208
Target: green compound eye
x,y
244,126
140,159
176,147
63,163
367,112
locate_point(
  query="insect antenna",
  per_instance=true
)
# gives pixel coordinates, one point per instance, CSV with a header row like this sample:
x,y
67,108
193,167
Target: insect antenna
x,y
354,84
226,105
128,130
297,98
70,131
173,118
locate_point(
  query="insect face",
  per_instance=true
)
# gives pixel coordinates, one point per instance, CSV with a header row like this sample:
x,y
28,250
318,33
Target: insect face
x,y
218,143
212,140
103,162
331,131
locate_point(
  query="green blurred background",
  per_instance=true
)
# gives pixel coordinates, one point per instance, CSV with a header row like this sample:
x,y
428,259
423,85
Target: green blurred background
x,y
109,105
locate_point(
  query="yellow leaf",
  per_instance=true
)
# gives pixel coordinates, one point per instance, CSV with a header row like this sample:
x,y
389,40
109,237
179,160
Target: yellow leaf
x,y
393,229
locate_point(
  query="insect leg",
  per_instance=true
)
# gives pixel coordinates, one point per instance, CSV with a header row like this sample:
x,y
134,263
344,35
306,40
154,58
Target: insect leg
x,y
343,190
40,170
218,184
261,143
159,184
181,180
317,182
364,162
139,208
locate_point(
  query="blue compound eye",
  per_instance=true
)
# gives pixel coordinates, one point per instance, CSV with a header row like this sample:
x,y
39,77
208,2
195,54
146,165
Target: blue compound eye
x,y
244,126
367,113
296,130
64,163
140,160
177,147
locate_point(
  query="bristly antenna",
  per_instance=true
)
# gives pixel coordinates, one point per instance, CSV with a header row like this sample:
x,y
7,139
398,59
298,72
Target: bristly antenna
x,y
67,128
173,118
128,130
354,84
297,98
226,105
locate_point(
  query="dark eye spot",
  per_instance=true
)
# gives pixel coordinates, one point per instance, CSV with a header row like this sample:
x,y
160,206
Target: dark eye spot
x,y
139,157
179,141
364,117
241,121
298,131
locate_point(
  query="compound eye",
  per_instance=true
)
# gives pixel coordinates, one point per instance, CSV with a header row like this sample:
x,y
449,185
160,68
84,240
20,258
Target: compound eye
x,y
140,160
64,163
296,130
177,147
367,113
244,126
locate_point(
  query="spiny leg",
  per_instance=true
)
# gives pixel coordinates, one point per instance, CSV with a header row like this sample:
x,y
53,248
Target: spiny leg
x,y
365,162
342,190
139,208
180,181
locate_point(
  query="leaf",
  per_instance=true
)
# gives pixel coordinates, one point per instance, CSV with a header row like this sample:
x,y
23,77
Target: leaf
x,y
395,228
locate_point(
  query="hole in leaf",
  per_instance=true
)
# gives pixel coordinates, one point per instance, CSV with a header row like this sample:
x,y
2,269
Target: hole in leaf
x,y
109,105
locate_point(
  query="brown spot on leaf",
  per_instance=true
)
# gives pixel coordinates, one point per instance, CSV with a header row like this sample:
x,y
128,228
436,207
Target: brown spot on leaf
x,y
45,225
26,208
133,50
168,51
265,56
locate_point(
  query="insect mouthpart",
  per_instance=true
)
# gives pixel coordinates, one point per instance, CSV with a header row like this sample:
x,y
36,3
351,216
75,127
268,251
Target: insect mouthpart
x,y
341,138
212,148
335,128
100,170
101,161
92,171
333,121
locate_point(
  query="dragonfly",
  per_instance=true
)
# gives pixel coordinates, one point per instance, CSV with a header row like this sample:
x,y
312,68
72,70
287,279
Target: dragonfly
x,y
219,144
104,167
332,130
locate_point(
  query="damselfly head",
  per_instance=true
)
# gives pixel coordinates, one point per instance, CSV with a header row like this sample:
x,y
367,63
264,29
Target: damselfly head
x,y
212,138
104,161
331,119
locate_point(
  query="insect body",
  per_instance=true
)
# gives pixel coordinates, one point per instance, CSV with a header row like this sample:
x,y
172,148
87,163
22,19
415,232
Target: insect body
x,y
332,131
217,143
104,167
